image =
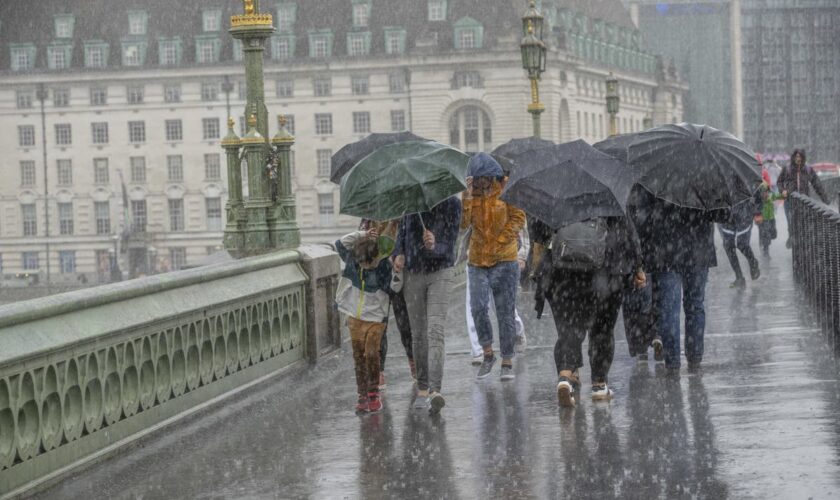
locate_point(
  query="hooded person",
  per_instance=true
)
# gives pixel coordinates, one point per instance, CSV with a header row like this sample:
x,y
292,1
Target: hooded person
x,y
493,268
798,177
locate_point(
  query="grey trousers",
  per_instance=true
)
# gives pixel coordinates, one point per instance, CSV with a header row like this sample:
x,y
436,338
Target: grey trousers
x,y
427,300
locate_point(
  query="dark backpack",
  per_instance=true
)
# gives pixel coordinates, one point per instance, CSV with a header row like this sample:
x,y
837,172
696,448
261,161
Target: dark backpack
x,y
580,246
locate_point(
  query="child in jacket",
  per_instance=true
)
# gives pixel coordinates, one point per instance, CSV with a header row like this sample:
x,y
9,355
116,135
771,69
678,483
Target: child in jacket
x,y
363,296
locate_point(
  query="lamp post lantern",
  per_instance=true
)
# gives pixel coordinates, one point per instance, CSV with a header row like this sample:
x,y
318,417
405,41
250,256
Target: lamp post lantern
x,y
533,59
613,101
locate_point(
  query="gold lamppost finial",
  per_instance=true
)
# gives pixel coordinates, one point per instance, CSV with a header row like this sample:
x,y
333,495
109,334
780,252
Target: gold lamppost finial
x,y
252,120
231,123
281,120
249,7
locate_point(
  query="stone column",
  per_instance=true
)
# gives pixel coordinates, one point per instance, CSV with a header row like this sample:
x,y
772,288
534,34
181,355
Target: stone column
x,y
257,239
283,216
234,235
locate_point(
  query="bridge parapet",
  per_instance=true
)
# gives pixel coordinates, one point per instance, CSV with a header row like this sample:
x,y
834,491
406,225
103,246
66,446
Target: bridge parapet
x,y
85,372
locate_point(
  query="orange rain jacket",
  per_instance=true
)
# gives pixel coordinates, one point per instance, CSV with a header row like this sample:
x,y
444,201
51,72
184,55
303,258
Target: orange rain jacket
x,y
495,228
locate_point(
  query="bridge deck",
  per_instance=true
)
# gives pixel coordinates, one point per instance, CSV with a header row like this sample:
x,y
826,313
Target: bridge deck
x,y
761,421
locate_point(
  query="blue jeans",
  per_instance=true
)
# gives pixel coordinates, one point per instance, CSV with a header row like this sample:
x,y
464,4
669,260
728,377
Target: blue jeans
x,y
501,280
668,288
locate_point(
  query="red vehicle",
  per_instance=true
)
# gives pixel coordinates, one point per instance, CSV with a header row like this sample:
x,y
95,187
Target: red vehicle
x,y
826,170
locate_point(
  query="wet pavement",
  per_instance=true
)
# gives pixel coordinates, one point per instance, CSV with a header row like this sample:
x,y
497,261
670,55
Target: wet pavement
x,y
762,420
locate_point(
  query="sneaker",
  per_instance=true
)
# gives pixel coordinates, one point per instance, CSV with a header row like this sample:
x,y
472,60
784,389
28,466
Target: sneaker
x,y
658,349
477,360
374,402
755,271
382,385
565,392
738,283
507,372
363,405
436,403
642,357
521,344
600,392
421,402
486,367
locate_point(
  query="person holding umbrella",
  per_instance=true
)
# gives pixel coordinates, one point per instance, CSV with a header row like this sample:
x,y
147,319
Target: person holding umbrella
x,y
493,260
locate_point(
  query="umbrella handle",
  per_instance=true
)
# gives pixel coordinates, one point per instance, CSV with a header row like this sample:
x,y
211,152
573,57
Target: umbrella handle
x,y
422,224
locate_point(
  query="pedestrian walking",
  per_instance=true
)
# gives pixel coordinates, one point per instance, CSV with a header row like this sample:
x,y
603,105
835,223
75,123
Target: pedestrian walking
x,y
798,177
736,234
425,253
362,295
767,222
493,260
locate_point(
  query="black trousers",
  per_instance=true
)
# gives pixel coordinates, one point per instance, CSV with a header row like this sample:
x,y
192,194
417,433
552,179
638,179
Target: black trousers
x,y
767,233
584,302
401,317
741,242
639,320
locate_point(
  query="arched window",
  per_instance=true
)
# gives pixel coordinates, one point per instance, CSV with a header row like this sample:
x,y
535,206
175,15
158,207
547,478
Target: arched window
x,y
470,129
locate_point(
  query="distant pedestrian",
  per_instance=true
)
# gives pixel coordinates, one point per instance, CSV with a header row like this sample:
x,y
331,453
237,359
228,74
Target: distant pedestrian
x,y
736,235
426,246
493,260
362,295
767,222
798,177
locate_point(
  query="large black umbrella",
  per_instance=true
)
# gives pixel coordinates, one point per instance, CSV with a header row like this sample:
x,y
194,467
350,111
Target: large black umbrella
x,y
617,145
695,166
505,152
351,154
568,183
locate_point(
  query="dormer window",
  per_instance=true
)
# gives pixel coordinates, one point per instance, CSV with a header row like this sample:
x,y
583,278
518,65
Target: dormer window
x,y
137,23
320,44
64,26
469,34
361,13
211,20
286,14
23,56
437,10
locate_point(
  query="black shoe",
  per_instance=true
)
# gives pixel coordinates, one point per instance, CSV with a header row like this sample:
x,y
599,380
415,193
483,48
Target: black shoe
x,y
658,349
486,367
436,403
755,271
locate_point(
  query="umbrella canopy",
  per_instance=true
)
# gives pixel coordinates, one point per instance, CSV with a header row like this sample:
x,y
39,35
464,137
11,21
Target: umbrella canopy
x,y
403,178
346,157
617,145
568,183
695,166
504,153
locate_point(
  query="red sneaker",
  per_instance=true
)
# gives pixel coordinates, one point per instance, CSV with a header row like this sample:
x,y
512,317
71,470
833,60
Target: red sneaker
x,y
362,406
374,402
382,381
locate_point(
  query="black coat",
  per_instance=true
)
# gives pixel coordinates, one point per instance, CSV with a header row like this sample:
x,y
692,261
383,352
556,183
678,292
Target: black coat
x,y
673,238
800,180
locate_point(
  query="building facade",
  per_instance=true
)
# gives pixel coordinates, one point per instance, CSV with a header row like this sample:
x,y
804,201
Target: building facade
x,y
136,96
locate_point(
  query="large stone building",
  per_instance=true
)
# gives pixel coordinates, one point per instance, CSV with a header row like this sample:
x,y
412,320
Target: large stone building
x,y
137,93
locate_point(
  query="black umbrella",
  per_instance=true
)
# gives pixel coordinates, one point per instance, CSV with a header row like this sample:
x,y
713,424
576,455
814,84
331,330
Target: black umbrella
x,y
351,154
617,145
515,147
695,166
568,183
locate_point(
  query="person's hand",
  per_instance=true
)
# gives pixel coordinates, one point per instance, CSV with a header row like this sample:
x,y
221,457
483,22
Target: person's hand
x,y
640,280
758,219
429,240
373,233
468,193
398,262
784,194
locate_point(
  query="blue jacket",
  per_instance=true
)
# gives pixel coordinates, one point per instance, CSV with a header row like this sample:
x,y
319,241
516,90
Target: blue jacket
x,y
443,221
362,293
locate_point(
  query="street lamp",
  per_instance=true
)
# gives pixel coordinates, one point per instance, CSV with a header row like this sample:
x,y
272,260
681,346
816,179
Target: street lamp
x,y
612,102
533,59
116,274
41,95
227,88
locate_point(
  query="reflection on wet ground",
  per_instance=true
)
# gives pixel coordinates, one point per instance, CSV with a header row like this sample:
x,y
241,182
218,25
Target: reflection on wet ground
x,y
762,420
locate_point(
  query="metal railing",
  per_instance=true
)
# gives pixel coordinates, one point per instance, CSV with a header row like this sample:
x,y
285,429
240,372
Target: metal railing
x,y
815,238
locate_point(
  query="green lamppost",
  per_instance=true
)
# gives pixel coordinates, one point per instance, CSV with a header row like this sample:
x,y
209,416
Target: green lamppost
x,y
612,103
533,59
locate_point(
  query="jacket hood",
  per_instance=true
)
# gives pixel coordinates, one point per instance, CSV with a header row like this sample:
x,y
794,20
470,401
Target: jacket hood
x,y
484,165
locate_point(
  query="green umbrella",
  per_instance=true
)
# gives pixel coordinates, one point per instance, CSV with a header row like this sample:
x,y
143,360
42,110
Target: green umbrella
x,y
403,178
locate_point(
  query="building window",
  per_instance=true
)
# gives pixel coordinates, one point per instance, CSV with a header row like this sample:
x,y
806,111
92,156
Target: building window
x,y
320,45
30,261
103,263
63,134
137,132
437,10
360,85
243,90
172,93
397,120
323,124
396,83
358,44
23,57
30,224
138,215
98,96
214,214
326,209
323,157
175,168
210,128
470,79
132,54
361,122
212,166
134,94
238,53
102,212
24,99
95,55
285,88
322,86
211,20
65,172
178,258
99,132
27,173
394,41
61,98
469,34
100,171
174,131
136,23
64,26
290,123
470,129
206,51
67,261
286,14
26,135
282,47
176,215
361,13
65,218
169,52
138,169
467,39
209,91
57,57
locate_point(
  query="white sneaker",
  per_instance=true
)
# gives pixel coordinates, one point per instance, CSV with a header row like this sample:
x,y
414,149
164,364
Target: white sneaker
x,y
521,344
477,360
601,393
565,393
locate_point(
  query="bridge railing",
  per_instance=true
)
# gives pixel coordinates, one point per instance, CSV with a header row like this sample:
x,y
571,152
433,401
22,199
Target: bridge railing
x,y
815,238
86,372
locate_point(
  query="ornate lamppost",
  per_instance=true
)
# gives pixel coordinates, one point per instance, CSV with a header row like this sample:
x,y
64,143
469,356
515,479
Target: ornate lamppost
x,y
533,59
612,103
